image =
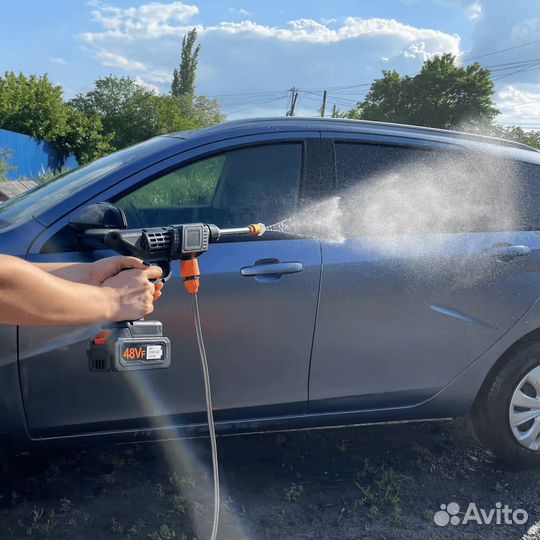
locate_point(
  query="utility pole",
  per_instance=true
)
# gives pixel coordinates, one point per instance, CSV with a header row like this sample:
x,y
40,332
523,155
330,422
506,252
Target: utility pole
x,y
323,106
294,97
334,111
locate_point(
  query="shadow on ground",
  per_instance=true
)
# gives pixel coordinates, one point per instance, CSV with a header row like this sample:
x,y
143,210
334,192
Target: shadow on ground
x,y
366,482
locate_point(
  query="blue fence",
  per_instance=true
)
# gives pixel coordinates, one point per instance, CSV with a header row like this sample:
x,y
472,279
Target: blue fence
x,y
29,156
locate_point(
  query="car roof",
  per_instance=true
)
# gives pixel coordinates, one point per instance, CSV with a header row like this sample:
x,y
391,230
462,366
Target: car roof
x,y
276,124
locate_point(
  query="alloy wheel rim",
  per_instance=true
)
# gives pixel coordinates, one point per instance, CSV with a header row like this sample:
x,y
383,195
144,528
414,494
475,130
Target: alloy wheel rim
x,y
524,413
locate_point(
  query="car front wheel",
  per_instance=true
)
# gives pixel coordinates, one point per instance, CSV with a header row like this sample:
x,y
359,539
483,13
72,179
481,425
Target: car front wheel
x,y
506,415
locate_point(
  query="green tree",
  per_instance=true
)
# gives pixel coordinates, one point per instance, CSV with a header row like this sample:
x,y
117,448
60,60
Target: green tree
x,y
174,114
33,106
127,111
206,112
130,113
515,133
442,95
183,83
85,138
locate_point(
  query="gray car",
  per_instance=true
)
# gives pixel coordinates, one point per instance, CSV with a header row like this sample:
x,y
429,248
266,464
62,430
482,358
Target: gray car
x,y
417,295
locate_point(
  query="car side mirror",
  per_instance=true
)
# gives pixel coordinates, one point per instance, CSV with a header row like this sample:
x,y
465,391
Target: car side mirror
x,y
101,215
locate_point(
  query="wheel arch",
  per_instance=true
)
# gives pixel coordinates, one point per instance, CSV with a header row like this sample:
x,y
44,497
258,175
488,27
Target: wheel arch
x,y
531,337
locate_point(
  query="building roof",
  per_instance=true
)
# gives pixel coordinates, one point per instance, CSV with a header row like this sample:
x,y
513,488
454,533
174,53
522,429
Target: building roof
x,y
12,188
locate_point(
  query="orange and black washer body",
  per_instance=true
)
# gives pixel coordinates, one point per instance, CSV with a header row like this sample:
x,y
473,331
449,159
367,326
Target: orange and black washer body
x,y
129,346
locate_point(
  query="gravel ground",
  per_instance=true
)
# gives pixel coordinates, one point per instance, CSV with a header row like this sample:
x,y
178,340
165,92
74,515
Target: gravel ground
x,y
365,482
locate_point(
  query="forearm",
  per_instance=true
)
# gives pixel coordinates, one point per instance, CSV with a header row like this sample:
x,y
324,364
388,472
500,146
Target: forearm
x,y
76,272
31,296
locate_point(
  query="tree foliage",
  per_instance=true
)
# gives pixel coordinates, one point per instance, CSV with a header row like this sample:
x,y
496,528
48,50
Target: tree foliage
x,y
183,83
442,95
130,113
127,110
515,133
34,106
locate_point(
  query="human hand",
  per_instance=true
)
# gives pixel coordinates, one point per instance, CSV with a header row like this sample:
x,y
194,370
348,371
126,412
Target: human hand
x,y
133,295
106,268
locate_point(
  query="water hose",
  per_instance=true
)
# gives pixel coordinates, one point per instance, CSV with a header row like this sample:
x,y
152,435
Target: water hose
x,y
209,412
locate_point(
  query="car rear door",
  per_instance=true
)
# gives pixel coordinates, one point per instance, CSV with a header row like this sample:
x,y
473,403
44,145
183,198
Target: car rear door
x,y
435,267
258,326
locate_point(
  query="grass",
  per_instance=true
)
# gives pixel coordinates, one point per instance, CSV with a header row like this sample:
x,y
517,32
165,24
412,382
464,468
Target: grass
x,y
382,489
163,533
39,525
116,526
65,505
109,478
293,492
137,528
179,504
180,482
46,175
191,185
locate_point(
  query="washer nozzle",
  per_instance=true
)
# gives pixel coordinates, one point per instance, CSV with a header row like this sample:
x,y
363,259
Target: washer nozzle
x,y
257,229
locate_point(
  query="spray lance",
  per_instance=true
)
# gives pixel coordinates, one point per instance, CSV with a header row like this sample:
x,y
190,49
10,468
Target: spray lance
x,y
136,345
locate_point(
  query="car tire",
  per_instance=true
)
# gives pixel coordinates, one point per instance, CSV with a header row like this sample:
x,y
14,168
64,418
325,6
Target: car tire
x,y
499,415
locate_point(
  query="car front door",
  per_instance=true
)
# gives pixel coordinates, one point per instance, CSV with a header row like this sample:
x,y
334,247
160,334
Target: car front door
x,y
258,327
435,267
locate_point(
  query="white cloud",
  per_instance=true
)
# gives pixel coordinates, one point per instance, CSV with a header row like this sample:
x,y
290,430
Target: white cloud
x,y
474,11
241,11
149,20
417,50
111,59
518,106
147,85
57,60
144,41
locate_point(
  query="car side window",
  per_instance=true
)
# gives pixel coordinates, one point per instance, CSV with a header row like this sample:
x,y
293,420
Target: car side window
x,y
235,187
357,162
388,189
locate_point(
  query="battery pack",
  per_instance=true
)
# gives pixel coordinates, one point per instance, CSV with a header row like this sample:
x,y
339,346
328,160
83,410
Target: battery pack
x,y
129,346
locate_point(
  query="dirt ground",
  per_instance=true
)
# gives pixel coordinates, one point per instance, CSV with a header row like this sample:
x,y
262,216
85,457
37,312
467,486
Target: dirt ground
x,y
377,482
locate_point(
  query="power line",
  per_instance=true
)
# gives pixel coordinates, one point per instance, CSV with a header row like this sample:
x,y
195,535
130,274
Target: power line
x,y
529,68
512,63
504,50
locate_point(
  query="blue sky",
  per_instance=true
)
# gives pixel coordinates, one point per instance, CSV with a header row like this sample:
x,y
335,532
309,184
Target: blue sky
x,y
253,51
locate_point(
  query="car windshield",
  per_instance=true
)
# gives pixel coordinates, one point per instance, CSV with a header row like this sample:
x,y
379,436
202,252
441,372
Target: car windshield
x,y
45,196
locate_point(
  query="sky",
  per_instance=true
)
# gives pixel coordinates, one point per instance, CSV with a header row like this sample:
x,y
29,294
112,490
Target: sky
x,y
254,51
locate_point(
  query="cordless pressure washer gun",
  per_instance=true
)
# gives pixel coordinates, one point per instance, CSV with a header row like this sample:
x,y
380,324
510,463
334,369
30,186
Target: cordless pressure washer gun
x,y
135,345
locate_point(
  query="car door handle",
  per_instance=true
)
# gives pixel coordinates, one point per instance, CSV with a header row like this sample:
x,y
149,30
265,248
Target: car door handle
x,y
508,252
273,268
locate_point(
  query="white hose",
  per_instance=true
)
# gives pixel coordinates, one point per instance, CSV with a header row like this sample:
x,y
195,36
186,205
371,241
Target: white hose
x,y
209,413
